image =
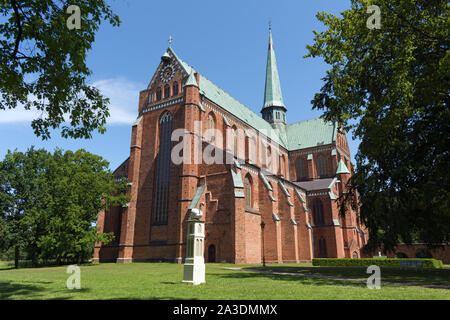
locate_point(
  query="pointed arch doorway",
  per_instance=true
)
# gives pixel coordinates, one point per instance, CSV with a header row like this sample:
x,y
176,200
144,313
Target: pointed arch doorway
x,y
212,253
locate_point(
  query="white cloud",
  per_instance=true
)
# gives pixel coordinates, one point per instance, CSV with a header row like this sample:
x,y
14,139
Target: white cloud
x,y
124,99
18,114
123,108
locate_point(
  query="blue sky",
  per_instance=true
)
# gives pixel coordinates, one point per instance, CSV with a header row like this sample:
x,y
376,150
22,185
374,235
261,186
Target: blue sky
x,y
226,41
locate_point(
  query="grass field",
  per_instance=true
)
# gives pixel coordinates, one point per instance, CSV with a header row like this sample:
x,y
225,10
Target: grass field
x,y
163,281
421,277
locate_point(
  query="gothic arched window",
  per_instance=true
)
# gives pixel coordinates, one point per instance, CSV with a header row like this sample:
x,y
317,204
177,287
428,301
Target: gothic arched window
x,y
247,148
248,191
300,169
282,166
150,97
321,165
118,226
158,94
269,158
235,140
318,213
211,126
166,91
163,173
322,248
250,149
175,88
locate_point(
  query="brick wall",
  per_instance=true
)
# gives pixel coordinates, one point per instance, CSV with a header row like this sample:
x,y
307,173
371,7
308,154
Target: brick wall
x,y
233,228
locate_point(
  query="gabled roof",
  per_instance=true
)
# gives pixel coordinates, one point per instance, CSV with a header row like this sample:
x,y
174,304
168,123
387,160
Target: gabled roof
x,y
300,135
319,184
240,111
230,104
310,133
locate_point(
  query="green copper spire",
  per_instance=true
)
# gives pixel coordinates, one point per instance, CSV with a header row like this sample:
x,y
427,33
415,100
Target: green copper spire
x,y
274,110
272,94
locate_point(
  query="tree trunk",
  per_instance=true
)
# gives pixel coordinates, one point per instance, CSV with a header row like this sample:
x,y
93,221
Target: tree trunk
x,y
34,258
16,257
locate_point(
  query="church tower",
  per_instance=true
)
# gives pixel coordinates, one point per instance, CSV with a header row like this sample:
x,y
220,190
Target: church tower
x,y
274,110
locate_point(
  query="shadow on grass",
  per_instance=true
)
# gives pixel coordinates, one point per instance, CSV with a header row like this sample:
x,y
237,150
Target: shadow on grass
x,y
245,275
33,290
7,268
154,298
424,277
9,289
9,265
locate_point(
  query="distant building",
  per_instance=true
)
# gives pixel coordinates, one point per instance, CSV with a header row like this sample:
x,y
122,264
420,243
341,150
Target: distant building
x,y
286,176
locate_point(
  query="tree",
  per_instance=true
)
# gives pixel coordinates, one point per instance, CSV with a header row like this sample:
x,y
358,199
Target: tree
x,y
390,86
21,190
43,67
80,187
49,203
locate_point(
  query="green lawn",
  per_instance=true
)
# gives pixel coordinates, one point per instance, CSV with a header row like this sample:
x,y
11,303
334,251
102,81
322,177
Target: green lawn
x,y
422,277
163,281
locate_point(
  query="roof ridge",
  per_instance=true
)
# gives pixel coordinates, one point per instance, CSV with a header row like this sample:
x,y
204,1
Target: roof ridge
x,y
216,85
182,62
272,134
233,97
301,121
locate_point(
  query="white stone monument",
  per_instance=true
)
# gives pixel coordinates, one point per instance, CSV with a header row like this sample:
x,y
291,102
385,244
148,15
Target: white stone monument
x,y
194,265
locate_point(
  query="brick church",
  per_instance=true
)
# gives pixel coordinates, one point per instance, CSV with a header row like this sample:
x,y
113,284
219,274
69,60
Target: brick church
x,y
270,192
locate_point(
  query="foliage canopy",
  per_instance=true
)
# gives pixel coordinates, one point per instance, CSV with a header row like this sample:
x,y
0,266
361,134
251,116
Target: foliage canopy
x,y
391,87
49,202
43,64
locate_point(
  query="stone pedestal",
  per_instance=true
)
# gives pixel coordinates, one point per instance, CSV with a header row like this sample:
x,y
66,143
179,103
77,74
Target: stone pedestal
x,y
194,265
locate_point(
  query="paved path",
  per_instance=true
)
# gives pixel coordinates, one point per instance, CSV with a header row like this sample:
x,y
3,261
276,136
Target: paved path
x,y
433,286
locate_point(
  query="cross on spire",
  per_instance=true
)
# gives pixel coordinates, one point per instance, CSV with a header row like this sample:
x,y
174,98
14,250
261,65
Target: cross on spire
x,y
170,41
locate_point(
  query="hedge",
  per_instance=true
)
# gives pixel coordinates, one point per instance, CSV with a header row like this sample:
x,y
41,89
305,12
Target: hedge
x,y
365,262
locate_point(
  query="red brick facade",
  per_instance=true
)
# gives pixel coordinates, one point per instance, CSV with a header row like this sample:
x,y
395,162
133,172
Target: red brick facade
x,y
232,216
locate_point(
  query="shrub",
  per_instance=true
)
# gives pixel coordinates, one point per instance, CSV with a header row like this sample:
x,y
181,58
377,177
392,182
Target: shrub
x,y
365,262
